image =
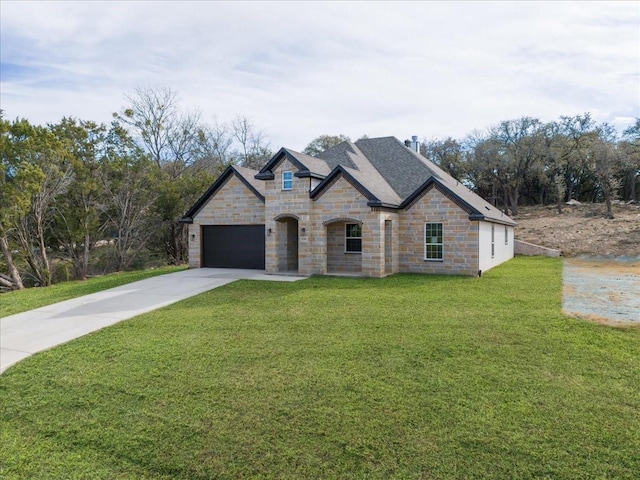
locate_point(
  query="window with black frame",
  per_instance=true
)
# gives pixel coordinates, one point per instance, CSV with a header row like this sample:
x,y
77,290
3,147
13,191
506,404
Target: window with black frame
x,y
433,245
353,238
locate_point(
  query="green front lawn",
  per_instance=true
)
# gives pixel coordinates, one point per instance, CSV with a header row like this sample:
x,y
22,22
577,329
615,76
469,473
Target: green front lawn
x,y
30,298
406,377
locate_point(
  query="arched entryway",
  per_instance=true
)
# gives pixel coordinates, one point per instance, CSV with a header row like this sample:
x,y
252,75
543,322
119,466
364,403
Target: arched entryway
x,y
344,246
287,243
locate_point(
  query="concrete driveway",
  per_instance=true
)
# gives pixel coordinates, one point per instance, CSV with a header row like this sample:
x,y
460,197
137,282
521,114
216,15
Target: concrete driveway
x,y
26,333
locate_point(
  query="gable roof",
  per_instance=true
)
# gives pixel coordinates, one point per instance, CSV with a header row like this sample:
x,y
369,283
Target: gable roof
x,y
402,176
245,175
384,170
362,175
307,165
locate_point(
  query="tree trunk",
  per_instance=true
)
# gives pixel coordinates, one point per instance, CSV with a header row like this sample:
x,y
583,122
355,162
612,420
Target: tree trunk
x,y
569,191
81,258
513,200
85,255
607,201
13,271
46,268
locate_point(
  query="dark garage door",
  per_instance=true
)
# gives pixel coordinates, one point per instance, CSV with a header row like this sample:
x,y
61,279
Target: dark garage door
x,y
233,246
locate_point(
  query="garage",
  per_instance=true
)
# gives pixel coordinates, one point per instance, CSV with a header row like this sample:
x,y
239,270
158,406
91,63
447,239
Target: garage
x,y
233,246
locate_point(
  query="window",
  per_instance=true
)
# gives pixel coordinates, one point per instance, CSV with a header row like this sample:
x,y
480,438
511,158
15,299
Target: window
x,y
353,238
506,235
433,241
493,238
287,180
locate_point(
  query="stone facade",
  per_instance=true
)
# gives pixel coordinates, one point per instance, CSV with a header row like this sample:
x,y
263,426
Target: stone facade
x,y
338,260
279,205
233,204
460,237
307,235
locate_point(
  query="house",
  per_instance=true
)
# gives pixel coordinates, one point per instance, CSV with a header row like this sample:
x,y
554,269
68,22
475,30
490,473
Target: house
x,y
371,208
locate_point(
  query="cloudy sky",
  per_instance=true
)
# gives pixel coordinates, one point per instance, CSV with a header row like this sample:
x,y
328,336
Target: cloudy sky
x,y
302,69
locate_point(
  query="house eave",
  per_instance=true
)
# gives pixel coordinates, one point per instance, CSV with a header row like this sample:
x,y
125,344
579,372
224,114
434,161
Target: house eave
x,y
379,204
308,174
340,170
475,217
264,176
217,184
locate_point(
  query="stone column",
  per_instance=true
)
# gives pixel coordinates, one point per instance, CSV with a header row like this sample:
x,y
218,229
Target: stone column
x,y
373,246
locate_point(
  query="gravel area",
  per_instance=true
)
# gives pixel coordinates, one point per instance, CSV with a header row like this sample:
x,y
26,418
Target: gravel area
x,y
606,290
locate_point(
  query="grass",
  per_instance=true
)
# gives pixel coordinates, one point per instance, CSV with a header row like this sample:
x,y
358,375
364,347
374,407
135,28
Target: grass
x,y
28,299
406,377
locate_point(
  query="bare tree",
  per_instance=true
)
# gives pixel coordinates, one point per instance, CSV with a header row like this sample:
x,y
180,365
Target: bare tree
x,y
171,138
606,161
213,149
575,135
152,113
254,147
128,180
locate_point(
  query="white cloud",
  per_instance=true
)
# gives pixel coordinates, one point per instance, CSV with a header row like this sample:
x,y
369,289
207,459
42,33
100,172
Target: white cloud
x,y
301,69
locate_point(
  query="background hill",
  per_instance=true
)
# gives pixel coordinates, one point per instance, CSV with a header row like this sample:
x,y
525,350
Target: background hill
x,y
582,229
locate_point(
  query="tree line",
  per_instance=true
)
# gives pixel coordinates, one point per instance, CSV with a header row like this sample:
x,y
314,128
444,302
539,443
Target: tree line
x,y
79,198
70,187
528,162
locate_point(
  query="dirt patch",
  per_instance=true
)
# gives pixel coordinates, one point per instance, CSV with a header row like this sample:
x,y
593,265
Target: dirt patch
x,y
601,269
582,229
605,290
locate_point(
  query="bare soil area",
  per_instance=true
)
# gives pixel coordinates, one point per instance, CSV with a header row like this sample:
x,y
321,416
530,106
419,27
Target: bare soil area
x,y
582,229
602,290
601,276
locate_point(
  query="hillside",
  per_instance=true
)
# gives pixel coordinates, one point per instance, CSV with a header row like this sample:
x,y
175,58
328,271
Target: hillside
x,y
582,229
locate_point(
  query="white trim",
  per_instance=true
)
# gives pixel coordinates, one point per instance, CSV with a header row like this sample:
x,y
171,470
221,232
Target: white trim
x,y
289,180
346,238
441,244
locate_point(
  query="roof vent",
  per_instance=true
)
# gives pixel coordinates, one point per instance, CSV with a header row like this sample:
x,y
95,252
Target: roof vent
x,y
407,143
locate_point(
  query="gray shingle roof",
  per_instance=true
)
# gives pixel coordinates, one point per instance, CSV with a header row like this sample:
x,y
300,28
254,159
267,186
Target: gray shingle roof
x,y
338,155
313,164
249,175
396,163
401,172
388,170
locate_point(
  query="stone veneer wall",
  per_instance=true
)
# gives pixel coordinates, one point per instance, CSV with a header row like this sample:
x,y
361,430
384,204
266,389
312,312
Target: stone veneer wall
x,y
388,247
341,202
294,203
460,237
338,261
287,241
324,216
232,204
